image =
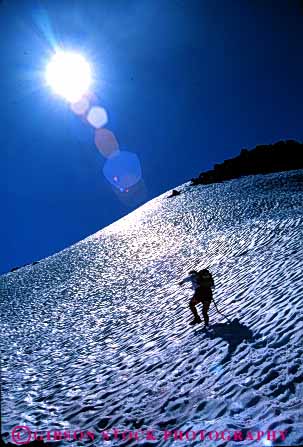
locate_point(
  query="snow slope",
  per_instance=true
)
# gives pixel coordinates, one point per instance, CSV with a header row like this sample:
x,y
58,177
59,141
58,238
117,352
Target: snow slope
x,y
97,336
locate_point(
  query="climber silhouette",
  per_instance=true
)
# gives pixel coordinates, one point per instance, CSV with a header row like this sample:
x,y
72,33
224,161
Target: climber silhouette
x,y
202,283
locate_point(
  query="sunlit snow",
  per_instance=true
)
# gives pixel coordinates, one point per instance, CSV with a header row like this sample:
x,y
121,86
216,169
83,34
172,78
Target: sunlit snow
x,y
97,336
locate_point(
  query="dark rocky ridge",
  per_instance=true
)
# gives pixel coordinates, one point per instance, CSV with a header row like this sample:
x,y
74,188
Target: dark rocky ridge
x,y
264,159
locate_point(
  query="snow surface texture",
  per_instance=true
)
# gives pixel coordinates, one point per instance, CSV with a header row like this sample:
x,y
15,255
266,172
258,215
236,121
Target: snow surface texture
x,y
97,336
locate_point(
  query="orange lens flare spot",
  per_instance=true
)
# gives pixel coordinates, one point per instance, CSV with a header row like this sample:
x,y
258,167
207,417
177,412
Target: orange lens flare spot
x,y
106,142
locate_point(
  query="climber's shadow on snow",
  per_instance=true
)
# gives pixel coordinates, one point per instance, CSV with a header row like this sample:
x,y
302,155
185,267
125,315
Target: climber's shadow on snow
x,y
234,333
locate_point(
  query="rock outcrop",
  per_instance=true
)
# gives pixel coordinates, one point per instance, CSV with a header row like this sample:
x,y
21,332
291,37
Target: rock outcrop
x,y
280,156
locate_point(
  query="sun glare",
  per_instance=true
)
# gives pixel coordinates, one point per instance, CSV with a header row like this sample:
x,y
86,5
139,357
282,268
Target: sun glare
x,y
69,75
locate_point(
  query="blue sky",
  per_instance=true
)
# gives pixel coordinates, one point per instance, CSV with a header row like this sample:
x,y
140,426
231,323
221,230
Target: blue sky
x,y
186,84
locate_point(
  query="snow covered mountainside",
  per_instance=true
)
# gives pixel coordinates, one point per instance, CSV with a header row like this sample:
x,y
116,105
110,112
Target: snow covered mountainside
x,y
98,336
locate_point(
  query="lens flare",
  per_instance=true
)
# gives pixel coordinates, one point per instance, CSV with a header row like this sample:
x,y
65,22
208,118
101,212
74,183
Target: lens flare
x,y
106,142
97,117
69,75
133,196
123,170
80,107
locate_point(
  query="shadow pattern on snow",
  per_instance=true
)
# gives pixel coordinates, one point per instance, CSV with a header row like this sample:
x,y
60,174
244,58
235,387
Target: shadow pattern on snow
x,y
234,333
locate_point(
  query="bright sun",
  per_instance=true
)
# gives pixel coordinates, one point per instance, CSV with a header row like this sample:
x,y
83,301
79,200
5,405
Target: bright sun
x,y
69,75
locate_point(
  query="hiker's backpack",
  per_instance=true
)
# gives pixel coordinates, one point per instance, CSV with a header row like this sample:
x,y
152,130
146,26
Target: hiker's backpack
x,y
205,278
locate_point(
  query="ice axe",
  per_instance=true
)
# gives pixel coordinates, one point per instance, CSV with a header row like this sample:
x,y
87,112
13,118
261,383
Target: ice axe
x,y
220,312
